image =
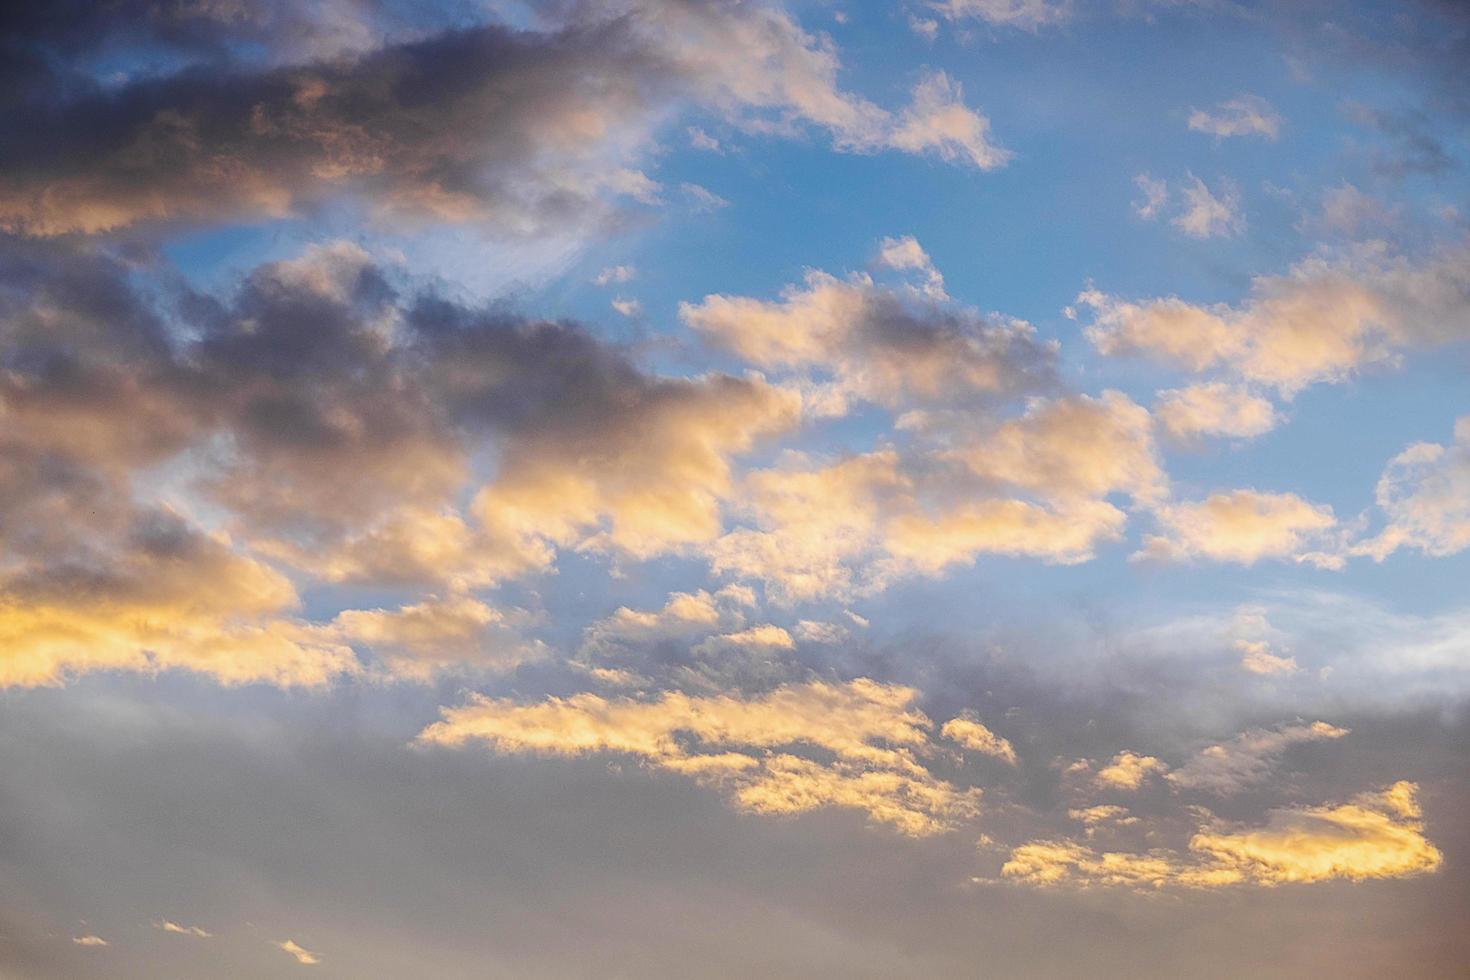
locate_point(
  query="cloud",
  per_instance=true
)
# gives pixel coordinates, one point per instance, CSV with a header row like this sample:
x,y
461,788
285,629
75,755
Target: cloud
x,y
89,940
938,121
685,616
303,956
170,926
874,734
1376,835
159,595
415,640
474,124
906,254
970,733
1246,759
1214,409
1202,213
1208,215
1244,115
1256,657
1073,447
1155,197
1025,14
1326,319
880,344
856,525
1425,492
1241,526
1128,770
615,274
702,198
701,140
312,419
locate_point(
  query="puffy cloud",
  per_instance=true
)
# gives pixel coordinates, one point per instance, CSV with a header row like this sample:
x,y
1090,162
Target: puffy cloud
x,y
1214,409
1425,492
1065,535
453,631
1103,815
162,461
335,424
1377,835
970,733
1128,770
684,615
872,730
938,121
1074,447
291,948
1208,215
1202,213
1323,321
89,940
162,595
856,525
763,636
473,124
814,526
1256,657
913,804
906,254
883,345
1244,115
1051,863
1241,526
1246,759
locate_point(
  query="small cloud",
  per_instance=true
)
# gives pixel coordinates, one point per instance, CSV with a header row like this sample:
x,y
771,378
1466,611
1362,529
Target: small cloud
x,y
1155,196
1257,658
1128,770
615,274
303,956
925,27
174,927
703,199
701,140
1208,215
905,254
89,940
967,731
1244,115
627,307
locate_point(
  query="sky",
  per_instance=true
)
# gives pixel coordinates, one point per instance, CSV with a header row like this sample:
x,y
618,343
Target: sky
x,y
725,488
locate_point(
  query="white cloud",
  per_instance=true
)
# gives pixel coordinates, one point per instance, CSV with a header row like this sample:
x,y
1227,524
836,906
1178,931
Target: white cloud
x,y
938,121
615,274
1155,197
1425,491
1214,409
1244,115
1241,526
1207,214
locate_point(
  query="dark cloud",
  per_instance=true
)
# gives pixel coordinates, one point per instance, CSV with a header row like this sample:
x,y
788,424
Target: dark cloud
x,y
482,124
